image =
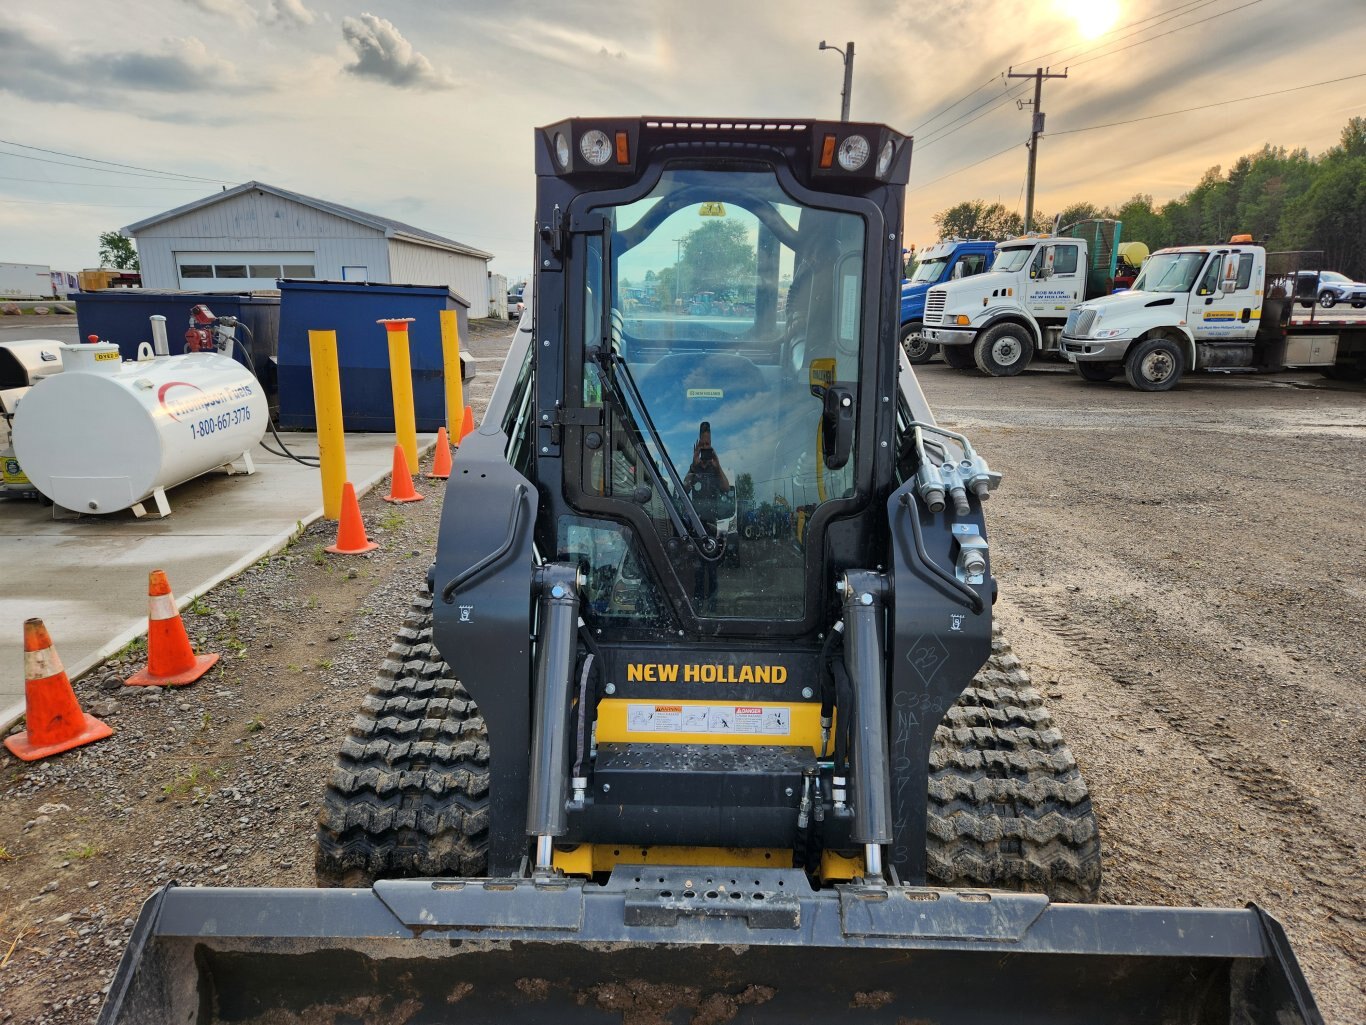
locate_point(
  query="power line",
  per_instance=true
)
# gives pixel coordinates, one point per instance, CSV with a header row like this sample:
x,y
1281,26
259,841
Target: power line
x,y
110,163
87,167
966,167
58,202
1171,14
104,185
1207,106
945,110
1181,28
944,131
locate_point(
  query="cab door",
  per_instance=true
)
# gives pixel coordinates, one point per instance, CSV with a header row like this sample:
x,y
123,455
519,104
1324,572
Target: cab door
x,y
1227,302
1055,279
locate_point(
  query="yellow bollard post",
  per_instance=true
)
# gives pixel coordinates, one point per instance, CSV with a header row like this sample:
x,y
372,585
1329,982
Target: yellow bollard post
x,y
327,410
455,382
401,381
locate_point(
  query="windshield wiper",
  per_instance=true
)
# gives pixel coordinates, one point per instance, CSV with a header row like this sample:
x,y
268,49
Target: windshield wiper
x,y
622,390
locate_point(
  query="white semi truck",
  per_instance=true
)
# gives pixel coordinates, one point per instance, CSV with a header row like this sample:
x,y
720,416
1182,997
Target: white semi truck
x,y
999,320
1227,308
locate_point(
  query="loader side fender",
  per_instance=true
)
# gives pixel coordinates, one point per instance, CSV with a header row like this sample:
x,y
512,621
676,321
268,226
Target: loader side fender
x,y
940,637
481,604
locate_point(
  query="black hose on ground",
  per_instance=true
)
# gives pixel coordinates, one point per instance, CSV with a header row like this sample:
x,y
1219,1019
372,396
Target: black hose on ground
x,y
283,451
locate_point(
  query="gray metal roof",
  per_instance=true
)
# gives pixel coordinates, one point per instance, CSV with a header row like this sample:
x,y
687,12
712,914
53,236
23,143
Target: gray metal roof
x,y
390,227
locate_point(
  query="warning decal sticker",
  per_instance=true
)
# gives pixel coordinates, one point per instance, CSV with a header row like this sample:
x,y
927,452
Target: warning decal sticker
x,y
767,720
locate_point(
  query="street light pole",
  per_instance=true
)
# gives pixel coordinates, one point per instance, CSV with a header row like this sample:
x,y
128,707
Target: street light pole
x,y
847,52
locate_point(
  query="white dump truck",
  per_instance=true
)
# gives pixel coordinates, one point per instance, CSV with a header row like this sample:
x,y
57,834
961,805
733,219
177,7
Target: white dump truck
x,y
999,320
1228,308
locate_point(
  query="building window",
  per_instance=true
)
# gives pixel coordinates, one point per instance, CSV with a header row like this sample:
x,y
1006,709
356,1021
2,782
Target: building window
x,y
265,270
230,270
300,270
196,270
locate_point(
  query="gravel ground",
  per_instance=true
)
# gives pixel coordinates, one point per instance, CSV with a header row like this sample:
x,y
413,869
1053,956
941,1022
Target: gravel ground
x,y
1182,574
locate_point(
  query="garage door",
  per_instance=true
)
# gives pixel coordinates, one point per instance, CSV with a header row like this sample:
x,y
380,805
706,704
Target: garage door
x,y
241,272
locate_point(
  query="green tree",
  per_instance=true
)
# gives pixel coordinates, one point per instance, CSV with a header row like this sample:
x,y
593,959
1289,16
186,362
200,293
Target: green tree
x,y
117,251
717,257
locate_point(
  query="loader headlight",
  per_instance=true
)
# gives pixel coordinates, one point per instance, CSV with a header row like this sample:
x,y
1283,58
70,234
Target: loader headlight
x,y
884,159
853,152
562,150
596,147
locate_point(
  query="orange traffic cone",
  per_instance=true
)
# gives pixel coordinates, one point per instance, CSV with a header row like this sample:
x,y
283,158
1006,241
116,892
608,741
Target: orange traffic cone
x,y
54,721
171,662
401,484
441,462
467,425
351,539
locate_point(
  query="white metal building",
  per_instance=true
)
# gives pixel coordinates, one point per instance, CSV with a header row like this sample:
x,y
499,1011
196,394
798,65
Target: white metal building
x,y
246,237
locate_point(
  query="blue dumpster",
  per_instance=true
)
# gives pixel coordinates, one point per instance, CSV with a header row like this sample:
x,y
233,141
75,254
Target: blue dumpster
x,y
122,316
351,308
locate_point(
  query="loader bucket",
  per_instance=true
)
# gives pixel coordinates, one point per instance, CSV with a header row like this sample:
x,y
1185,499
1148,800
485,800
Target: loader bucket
x,y
697,946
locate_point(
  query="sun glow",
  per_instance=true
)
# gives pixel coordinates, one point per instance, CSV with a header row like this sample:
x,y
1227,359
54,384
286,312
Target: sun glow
x,y
1093,17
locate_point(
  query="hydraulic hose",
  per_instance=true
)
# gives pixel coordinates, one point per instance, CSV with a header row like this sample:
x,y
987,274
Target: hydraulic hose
x,y
913,514
283,451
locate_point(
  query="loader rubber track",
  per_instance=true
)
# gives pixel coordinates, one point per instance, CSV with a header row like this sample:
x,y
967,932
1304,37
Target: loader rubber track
x,y
409,793
1008,808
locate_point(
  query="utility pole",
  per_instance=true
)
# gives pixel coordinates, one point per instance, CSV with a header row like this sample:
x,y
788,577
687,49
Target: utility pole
x,y
1038,74
848,54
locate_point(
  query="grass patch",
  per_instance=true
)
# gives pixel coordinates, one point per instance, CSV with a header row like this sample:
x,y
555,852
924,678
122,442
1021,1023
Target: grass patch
x,y
5,854
325,663
255,725
84,852
392,520
195,779
198,607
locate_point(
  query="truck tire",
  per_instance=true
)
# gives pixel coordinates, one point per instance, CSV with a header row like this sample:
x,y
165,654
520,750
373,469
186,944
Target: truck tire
x,y
918,350
1004,350
1098,371
1154,365
1345,373
409,793
959,357
1008,807
1327,300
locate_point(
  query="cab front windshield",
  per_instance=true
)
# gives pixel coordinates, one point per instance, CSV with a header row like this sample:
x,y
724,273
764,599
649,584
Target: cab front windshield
x,y
1010,260
733,307
1169,272
929,271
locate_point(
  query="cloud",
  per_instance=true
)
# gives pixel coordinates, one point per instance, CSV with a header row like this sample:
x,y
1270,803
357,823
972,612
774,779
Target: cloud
x,y
382,53
236,10
45,70
291,13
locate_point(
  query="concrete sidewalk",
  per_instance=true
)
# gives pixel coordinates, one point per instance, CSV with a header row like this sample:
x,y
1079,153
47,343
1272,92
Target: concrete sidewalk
x,y
87,578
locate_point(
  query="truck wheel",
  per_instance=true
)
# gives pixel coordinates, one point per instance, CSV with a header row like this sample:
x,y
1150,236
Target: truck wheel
x,y
410,790
1327,300
1008,806
1098,371
1352,373
918,350
1004,350
1154,365
959,357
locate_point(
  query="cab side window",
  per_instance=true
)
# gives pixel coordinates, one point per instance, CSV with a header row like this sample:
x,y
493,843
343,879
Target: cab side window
x,y
973,263
1244,271
1209,284
1065,260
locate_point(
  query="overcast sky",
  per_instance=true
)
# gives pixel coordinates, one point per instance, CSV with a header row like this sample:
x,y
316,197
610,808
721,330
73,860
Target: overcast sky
x,y
423,110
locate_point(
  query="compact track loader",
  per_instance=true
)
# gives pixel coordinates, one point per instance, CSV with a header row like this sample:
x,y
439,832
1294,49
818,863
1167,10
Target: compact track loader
x,y
701,717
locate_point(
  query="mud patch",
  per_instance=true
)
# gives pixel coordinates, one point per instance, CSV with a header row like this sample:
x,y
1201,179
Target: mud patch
x,y
533,989
872,1000
720,1008
459,992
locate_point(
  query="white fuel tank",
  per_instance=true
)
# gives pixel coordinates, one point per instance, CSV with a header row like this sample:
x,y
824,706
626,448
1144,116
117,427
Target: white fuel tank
x,y
105,435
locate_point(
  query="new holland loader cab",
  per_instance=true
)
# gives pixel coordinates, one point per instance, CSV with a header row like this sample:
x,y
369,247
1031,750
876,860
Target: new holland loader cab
x,y
626,764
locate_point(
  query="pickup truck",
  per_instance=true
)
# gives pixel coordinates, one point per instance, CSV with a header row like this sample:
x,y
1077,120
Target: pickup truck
x,y
999,320
1227,308
948,260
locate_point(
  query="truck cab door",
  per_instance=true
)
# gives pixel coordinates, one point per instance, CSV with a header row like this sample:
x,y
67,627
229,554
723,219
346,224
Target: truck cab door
x,y
1055,280
1226,303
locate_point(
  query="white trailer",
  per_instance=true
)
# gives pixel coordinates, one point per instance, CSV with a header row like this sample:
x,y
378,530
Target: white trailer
x,y
25,281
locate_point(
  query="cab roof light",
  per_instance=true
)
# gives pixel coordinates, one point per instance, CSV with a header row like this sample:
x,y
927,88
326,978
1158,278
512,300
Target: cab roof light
x,y
827,152
1240,238
623,148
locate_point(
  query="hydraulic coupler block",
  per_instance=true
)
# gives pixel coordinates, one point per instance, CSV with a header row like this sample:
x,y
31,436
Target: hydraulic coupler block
x,y
971,565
